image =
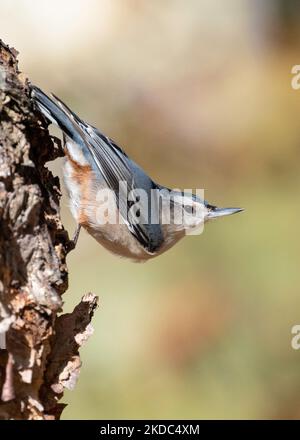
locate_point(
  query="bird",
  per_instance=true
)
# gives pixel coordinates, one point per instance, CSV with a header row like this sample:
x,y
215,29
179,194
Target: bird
x,y
113,198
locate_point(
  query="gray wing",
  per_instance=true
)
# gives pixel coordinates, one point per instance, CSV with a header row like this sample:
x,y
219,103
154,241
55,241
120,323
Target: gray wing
x,y
116,167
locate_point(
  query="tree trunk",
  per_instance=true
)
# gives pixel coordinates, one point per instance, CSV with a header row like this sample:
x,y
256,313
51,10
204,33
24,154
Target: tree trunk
x,y
41,356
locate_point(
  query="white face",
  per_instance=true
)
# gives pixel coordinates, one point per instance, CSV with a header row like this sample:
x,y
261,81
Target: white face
x,y
189,213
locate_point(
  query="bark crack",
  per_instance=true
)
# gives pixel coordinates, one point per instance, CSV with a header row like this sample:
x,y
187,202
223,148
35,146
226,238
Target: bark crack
x,y
41,358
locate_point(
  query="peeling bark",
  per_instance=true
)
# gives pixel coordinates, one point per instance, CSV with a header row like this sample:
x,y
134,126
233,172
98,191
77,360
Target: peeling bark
x,y
41,356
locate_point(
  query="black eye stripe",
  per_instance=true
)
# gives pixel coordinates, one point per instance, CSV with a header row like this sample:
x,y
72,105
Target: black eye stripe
x,y
189,209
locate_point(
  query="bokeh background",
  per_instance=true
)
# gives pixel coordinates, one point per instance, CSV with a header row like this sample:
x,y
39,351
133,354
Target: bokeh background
x,y
198,93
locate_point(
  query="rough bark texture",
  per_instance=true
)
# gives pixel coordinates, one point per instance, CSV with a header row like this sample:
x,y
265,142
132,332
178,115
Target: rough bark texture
x,y
41,356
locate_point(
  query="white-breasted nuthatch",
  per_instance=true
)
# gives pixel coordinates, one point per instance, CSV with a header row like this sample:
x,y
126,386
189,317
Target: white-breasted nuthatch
x,y
94,164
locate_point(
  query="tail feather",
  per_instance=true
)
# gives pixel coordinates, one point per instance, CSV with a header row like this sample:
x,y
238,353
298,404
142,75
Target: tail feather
x,y
57,112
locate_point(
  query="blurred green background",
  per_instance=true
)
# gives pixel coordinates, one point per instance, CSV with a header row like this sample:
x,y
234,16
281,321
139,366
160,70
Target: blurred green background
x,y
199,94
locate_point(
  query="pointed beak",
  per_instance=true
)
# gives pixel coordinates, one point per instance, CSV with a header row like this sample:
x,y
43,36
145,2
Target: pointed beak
x,y
221,212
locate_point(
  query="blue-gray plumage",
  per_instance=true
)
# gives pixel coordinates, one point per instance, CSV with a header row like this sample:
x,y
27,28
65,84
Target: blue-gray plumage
x,y
94,162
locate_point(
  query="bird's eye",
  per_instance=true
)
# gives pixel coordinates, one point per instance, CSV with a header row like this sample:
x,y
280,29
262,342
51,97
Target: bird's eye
x,y
189,209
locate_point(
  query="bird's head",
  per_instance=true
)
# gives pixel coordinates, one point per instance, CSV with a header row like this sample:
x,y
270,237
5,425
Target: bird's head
x,y
189,212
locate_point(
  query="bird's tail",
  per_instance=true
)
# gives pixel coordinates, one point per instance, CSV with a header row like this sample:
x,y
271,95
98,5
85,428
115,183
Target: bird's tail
x,y
57,112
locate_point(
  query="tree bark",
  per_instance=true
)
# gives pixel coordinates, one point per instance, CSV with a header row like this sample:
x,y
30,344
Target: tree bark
x,y
41,356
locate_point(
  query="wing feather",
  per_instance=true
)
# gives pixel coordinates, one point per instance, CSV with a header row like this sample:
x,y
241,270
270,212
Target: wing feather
x,y
112,162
